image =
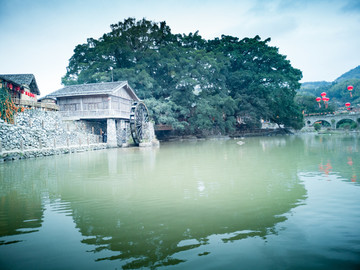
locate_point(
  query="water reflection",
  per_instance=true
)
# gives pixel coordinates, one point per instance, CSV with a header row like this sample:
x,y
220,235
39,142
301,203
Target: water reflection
x,y
325,168
147,218
335,154
149,206
21,209
19,215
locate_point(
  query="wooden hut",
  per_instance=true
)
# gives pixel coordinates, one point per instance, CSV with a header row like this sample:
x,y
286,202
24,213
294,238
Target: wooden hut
x,y
98,102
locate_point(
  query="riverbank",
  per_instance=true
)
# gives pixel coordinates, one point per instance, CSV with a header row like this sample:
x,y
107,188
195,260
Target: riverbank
x,y
34,153
239,134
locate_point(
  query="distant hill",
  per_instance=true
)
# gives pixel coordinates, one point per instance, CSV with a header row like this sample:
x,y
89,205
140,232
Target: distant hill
x,y
352,74
314,85
314,88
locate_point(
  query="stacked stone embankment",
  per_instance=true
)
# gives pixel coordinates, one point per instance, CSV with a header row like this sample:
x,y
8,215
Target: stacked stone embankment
x,y
41,133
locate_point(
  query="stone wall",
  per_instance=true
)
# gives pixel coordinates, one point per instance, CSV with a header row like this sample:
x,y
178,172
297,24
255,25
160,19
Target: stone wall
x,y
37,130
122,133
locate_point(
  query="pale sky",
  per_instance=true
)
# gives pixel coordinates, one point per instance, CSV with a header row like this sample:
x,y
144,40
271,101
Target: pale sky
x,y
319,37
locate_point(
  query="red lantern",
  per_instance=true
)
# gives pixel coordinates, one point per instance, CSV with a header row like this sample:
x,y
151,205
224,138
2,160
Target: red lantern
x,y
323,94
347,104
350,88
318,99
326,100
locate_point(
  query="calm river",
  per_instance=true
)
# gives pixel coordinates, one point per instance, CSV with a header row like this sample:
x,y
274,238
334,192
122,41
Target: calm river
x,y
272,203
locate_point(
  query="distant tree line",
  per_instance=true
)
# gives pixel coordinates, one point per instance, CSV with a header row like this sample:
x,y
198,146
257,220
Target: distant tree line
x,y
194,85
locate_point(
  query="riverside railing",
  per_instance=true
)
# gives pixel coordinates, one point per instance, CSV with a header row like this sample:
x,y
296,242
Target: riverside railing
x,y
96,114
35,104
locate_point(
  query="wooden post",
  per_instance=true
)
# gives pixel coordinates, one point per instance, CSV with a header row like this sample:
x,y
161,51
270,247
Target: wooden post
x,y
92,130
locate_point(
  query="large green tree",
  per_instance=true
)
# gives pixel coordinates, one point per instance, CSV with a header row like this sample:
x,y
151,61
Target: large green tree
x,y
193,84
261,80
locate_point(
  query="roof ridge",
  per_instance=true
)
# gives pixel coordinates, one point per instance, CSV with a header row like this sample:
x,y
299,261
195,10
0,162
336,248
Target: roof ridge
x,y
90,88
93,83
16,74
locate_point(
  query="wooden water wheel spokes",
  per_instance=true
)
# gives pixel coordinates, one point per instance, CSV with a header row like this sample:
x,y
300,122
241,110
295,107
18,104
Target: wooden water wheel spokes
x,y
139,119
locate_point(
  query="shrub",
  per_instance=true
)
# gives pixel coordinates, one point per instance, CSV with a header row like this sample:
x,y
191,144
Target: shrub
x,y
317,126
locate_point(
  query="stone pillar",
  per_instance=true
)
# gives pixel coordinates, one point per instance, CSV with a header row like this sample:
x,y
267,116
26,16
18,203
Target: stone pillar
x,y
121,130
111,133
333,123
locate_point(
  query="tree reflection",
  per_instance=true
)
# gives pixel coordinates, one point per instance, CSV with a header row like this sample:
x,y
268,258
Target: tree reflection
x,y
144,211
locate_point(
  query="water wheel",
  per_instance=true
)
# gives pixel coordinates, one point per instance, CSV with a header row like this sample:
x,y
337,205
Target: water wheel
x,y
139,121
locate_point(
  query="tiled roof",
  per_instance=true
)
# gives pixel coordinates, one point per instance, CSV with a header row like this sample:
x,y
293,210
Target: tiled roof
x,y
106,88
23,79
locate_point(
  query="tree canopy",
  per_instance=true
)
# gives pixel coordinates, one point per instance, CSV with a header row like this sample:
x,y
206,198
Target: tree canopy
x,y
188,82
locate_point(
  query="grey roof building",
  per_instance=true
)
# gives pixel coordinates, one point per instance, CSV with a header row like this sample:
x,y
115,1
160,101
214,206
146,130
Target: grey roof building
x,y
23,80
24,90
95,100
109,104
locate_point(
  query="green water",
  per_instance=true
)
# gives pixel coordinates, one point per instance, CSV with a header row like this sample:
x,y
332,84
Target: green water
x,y
272,203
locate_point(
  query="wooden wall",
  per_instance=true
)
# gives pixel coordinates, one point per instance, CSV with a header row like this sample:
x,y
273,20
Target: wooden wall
x,y
120,101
